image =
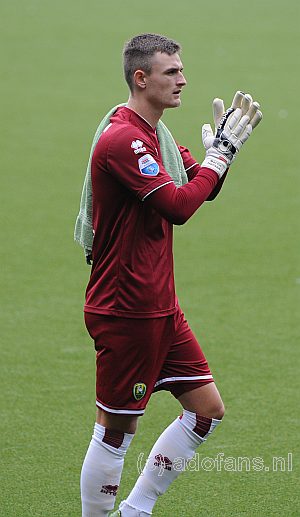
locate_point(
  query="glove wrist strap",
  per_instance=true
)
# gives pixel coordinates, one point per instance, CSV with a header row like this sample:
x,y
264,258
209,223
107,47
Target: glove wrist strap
x,y
217,164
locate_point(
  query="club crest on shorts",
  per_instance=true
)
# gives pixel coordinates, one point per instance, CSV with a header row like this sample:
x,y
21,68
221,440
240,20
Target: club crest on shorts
x,y
139,390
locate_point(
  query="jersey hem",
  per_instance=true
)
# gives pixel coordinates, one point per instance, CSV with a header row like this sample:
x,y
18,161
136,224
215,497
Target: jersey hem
x,y
129,314
191,166
156,188
153,185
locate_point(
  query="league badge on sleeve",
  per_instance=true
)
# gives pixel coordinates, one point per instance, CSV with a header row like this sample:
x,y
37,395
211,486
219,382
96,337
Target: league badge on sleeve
x,y
148,166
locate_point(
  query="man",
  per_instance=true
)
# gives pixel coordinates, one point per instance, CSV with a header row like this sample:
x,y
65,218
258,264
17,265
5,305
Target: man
x,y
142,339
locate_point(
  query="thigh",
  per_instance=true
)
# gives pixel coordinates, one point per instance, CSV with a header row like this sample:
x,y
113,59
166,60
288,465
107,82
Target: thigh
x,y
129,357
185,367
203,400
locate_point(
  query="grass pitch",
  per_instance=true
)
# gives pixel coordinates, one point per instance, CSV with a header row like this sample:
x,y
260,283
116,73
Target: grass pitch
x,y
237,265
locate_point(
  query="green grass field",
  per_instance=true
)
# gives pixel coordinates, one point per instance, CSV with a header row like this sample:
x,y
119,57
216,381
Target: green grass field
x,y
237,259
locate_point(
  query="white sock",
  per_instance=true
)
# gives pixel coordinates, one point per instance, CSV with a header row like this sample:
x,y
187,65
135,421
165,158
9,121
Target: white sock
x,y
168,458
101,470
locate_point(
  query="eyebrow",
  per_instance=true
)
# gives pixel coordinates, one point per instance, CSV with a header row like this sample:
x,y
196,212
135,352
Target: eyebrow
x,y
174,69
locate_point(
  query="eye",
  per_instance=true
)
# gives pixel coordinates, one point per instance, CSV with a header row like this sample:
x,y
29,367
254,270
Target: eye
x,y
174,71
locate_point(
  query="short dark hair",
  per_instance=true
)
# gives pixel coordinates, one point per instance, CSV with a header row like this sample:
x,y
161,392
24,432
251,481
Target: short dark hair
x,y
139,50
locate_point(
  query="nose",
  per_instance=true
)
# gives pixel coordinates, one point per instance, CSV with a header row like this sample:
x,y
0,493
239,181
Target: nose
x,y
181,81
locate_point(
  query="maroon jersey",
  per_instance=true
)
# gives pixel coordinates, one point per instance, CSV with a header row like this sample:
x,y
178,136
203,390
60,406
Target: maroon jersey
x,y
135,203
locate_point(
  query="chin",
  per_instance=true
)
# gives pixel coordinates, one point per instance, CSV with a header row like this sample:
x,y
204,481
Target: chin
x,y
174,104
177,104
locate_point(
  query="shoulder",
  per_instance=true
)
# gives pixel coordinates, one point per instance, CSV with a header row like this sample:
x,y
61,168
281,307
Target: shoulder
x,y
124,133
127,139
117,138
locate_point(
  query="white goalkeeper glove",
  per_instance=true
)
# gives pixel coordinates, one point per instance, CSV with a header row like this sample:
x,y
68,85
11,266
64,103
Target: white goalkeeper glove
x,y
234,128
208,135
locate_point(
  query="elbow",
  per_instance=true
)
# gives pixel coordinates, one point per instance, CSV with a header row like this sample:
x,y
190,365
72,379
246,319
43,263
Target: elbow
x,y
178,219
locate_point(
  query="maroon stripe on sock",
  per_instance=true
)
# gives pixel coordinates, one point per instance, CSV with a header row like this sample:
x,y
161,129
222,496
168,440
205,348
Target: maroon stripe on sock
x,y
202,426
113,438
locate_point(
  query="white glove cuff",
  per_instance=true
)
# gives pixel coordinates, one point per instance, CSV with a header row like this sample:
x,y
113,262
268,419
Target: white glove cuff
x,y
219,165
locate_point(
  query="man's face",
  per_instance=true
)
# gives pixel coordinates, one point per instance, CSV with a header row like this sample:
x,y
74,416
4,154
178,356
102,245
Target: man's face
x,y
165,81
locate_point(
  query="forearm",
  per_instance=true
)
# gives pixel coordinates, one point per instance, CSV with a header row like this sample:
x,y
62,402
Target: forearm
x,y
177,205
193,171
217,188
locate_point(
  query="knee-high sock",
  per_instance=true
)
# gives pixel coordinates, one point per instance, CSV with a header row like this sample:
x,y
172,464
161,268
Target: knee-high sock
x,y
101,471
168,458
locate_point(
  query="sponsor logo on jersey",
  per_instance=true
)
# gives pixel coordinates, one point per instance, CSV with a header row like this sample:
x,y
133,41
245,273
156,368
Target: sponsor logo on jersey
x,y
148,166
138,146
109,489
139,390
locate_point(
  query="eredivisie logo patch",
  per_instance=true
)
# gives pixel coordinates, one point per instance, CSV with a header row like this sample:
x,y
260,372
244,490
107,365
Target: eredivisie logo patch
x,y
148,166
139,390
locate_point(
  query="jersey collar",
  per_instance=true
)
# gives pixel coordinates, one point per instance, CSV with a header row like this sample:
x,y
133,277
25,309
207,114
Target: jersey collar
x,y
136,119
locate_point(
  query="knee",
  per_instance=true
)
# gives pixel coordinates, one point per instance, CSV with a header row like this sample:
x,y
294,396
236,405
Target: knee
x,y
205,401
215,410
219,411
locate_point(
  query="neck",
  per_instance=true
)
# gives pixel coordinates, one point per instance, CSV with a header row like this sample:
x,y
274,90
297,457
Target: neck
x,y
142,108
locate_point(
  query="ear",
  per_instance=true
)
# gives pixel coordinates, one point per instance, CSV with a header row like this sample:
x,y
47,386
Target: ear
x,y
139,78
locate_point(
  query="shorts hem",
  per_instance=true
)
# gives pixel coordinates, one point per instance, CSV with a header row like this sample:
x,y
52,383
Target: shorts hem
x,y
119,411
183,379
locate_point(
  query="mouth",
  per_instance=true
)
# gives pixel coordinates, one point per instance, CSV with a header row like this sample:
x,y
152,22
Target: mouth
x,y
177,92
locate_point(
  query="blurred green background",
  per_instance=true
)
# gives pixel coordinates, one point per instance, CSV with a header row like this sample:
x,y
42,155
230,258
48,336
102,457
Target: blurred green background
x,y
237,259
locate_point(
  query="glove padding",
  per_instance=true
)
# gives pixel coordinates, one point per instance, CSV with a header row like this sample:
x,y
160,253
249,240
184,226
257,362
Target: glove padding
x,y
208,135
234,128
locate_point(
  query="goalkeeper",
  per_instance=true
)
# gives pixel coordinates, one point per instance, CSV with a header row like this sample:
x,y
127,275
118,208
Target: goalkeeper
x,y
143,184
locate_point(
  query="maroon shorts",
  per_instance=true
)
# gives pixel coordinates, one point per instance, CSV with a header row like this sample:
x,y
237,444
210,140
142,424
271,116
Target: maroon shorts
x,y
136,357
